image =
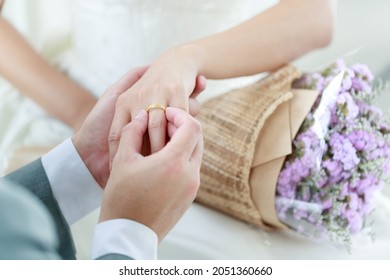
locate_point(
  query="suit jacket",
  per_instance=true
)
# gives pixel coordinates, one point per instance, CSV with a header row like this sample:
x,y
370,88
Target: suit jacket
x,y
30,229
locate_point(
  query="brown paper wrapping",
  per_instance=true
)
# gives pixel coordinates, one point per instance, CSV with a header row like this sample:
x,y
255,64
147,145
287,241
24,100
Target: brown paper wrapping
x,y
248,133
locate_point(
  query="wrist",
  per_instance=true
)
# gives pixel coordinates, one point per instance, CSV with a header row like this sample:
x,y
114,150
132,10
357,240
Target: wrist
x,y
78,144
191,54
87,156
112,208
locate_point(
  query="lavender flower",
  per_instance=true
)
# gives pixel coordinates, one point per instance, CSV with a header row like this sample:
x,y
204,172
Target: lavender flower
x,y
354,162
363,78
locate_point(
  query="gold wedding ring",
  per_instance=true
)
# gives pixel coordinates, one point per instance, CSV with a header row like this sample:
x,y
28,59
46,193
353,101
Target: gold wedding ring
x,y
155,106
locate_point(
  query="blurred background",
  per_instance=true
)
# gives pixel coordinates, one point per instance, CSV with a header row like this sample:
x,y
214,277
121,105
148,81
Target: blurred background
x,y
362,35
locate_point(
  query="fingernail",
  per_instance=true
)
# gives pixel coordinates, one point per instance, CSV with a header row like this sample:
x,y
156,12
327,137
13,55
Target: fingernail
x,y
140,114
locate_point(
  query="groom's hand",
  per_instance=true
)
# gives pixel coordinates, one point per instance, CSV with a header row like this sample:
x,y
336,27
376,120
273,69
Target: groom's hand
x,y
155,190
91,140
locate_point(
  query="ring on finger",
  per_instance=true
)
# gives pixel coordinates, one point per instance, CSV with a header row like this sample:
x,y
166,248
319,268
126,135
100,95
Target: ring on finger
x,y
155,106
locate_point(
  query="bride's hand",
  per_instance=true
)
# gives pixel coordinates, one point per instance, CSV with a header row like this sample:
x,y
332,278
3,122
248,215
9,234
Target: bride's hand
x,y
90,140
171,81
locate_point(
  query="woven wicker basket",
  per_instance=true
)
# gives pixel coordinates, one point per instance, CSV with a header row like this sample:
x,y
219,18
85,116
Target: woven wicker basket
x,y
231,125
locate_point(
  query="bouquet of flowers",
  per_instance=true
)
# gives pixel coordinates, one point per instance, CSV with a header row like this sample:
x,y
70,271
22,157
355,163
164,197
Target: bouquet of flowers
x,y
306,152
340,158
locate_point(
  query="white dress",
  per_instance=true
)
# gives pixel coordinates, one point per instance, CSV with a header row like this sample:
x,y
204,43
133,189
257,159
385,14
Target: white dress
x,y
111,36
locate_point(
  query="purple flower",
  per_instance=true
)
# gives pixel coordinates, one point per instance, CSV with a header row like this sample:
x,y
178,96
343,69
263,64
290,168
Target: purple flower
x,y
334,168
353,201
365,183
361,140
313,81
375,154
337,195
344,190
335,68
363,78
347,81
347,105
362,71
343,151
355,221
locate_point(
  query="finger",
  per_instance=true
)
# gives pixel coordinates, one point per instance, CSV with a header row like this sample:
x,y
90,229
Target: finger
x,y
187,132
171,129
121,118
113,92
123,84
200,85
194,107
157,130
130,144
197,155
180,101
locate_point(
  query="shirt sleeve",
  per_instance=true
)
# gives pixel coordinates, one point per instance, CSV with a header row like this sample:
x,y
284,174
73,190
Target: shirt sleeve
x,y
73,186
124,237
78,194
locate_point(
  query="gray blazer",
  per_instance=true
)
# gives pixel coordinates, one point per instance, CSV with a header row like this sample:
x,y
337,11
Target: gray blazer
x,y
31,223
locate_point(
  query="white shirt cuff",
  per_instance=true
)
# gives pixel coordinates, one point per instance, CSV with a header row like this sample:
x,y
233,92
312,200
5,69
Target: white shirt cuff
x,y
73,186
124,237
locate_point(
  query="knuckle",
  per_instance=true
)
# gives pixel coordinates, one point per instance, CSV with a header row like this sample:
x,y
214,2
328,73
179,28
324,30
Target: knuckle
x,y
139,96
176,87
129,98
148,91
122,99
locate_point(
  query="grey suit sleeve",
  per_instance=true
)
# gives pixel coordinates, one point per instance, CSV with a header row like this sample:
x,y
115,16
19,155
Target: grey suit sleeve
x,y
26,230
33,177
